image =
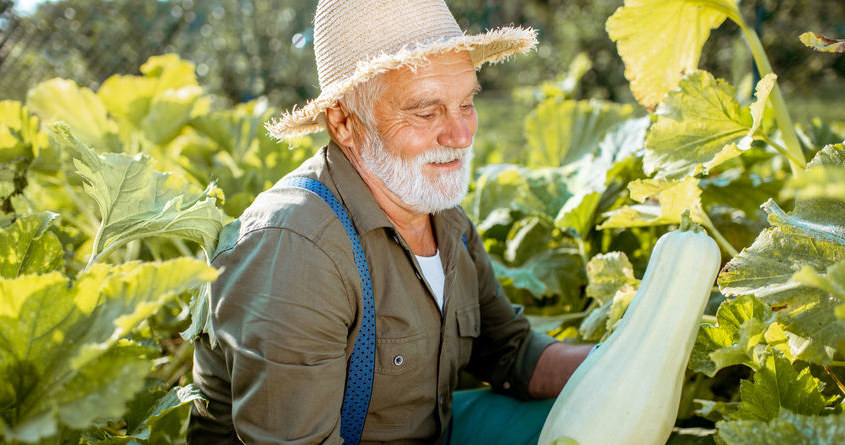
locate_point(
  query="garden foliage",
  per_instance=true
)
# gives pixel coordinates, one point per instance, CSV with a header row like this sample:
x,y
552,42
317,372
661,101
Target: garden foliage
x,y
112,201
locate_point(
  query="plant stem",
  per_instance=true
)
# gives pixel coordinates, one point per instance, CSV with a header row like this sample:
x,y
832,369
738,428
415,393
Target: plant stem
x,y
723,243
835,379
782,150
787,128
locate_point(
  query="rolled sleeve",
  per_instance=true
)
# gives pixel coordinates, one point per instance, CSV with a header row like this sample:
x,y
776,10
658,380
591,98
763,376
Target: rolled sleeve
x,y
282,315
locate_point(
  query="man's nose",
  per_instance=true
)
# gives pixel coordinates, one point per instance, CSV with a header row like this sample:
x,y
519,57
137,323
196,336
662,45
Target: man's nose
x,y
458,131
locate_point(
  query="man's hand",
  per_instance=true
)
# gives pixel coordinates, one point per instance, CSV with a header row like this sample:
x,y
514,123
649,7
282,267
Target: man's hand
x,y
556,364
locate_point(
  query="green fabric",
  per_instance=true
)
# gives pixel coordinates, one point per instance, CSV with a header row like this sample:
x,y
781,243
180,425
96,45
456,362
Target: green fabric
x,y
483,417
286,310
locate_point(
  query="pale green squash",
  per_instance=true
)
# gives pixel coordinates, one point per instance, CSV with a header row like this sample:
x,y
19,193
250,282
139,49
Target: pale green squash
x,y
628,390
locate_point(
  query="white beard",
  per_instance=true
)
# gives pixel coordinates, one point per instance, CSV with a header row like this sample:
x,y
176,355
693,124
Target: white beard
x,y
405,177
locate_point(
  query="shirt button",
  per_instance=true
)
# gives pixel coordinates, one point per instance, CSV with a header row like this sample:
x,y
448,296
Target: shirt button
x,y
506,385
398,360
441,399
419,277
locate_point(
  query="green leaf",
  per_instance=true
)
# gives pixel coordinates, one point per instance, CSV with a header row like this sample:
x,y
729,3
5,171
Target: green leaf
x,y
737,339
62,345
761,92
154,425
660,40
821,43
579,213
696,126
824,177
550,272
832,281
530,191
667,201
739,189
136,201
62,100
777,385
19,132
787,428
607,273
560,132
169,112
528,236
812,235
26,247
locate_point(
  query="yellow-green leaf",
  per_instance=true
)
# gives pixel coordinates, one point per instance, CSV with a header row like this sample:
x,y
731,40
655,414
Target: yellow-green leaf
x,y
823,44
62,100
761,92
661,40
560,132
668,200
136,201
26,247
696,125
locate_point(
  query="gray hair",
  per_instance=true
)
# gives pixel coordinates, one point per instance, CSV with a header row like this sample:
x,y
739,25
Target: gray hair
x,y
362,99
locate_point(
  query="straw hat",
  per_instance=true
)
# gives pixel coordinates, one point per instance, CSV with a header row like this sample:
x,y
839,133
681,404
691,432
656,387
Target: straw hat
x,y
355,40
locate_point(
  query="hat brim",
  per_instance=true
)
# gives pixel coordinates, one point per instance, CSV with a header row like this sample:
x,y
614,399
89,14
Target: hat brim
x,y
491,47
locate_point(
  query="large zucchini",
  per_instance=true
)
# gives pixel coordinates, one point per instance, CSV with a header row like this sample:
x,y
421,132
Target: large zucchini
x,y
628,390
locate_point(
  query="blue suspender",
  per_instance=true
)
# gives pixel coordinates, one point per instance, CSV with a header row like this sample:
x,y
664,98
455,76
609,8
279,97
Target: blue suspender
x,y
359,373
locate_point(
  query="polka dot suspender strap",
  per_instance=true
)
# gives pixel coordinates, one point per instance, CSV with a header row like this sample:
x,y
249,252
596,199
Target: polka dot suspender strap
x,y
359,373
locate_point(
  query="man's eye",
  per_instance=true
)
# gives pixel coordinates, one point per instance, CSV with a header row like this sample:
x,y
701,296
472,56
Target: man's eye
x,y
425,115
467,107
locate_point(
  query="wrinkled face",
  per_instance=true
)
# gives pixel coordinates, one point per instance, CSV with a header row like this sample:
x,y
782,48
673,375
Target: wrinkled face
x,y
424,124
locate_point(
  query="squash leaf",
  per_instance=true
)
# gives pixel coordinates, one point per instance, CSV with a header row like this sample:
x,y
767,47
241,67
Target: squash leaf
x,y
738,338
824,178
697,126
560,132
821,43
607,273
62,345
787,428
137,201
62,100
664,202
26,247
660,40
778,385
812,235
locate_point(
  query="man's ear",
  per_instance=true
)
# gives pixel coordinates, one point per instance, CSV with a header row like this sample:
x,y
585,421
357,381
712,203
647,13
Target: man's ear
x,y
340,125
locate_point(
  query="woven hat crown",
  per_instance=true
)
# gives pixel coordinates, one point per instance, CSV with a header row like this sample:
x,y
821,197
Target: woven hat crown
x,y
355,40
347,33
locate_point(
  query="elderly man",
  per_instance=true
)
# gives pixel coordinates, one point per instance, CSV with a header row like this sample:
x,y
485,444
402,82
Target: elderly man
x,y
355,291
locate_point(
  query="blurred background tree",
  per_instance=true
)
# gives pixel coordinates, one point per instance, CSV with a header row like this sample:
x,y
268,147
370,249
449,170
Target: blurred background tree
x,y
244,49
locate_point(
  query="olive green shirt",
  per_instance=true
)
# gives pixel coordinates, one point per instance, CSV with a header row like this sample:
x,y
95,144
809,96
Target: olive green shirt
x,y
287,307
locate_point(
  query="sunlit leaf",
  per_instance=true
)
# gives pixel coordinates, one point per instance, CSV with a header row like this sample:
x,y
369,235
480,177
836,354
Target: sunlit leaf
x,y
26,247
812,235
696,126
661,40
738,338
559,132
62,100
831,281
777,385
19,132
672,198
137,201
62,345
550,272
607,273
787,428
821,43
824,177
761,93
169,112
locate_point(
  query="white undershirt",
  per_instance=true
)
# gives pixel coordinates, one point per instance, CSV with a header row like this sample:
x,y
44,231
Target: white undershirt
x,y
432,269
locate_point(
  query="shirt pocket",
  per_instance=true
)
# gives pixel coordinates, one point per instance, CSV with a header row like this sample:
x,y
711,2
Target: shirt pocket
x,y
397,356
469,328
